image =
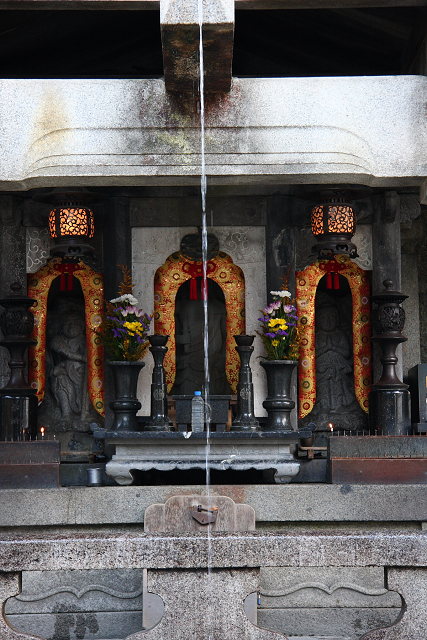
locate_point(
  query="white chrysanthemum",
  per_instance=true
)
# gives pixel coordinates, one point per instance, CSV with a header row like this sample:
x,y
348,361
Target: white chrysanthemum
x,y
275,293
284,294
127,297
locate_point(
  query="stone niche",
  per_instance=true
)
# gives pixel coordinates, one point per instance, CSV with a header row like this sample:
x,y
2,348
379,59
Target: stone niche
x,y
245,245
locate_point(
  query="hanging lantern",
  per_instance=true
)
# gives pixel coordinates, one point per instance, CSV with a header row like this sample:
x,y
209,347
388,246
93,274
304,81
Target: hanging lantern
x,y
333,223
71,222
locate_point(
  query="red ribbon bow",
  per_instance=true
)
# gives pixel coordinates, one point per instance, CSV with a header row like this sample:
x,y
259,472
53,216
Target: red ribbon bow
x,y
66,269
195,270
332,268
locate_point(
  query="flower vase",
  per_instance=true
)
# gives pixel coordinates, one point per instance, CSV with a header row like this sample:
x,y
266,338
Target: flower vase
x,y
125,404
279,403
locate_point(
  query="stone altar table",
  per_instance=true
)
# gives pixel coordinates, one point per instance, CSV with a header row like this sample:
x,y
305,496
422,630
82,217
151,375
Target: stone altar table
x,y
166,451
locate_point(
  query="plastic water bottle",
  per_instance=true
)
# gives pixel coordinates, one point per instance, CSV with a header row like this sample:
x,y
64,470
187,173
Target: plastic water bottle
x,y
197,412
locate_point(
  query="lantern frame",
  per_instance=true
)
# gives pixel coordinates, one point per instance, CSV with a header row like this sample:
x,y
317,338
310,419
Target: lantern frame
x,y
71,221
333,224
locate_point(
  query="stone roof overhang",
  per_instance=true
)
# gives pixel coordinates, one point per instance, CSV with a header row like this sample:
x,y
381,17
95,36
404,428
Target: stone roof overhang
x,y
365,130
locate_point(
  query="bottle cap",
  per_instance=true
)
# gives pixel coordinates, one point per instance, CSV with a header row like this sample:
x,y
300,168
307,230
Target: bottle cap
x,y
197,393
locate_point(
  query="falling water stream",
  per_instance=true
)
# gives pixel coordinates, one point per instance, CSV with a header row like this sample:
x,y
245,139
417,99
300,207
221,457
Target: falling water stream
x,y
203,186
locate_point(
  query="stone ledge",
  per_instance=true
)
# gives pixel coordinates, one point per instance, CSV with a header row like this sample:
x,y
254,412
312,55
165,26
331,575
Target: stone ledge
x,y
223,550
69,506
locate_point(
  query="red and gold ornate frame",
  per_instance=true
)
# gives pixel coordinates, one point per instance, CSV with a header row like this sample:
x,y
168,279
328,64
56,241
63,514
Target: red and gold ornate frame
x,y
93,291
167,280
306,286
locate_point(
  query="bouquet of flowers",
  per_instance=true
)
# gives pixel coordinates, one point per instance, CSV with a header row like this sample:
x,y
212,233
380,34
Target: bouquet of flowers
x,y
125,327
279,331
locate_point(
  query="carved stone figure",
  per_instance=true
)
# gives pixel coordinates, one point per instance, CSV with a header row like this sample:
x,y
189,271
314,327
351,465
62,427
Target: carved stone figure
x,y
189,323
334,365
68,375
336,400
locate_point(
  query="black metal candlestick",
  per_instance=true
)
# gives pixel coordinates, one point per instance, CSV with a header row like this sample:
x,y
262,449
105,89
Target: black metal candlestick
x,y
18,401
159,419
245,419
389,412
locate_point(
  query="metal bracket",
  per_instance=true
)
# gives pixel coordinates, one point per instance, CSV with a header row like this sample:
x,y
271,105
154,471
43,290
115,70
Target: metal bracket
x,y
204,516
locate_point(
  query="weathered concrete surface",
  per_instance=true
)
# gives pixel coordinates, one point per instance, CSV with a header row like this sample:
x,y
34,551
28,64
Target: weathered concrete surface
x,y
412,585
180,29
219,550
272,503
9,586
204,606
368,130
326,601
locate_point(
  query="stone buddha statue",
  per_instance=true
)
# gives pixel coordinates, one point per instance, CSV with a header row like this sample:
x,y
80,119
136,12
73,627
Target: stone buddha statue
x,y
68,375
189,335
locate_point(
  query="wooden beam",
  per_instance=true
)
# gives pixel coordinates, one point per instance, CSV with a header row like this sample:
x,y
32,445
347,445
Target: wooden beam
x,y
141,5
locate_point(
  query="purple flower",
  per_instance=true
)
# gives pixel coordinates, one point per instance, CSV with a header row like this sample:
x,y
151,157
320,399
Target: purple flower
x,y
282,333
270,335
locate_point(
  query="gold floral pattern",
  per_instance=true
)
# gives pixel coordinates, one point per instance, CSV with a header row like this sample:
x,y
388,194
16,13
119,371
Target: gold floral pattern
x,y
93,290
167,280
306,286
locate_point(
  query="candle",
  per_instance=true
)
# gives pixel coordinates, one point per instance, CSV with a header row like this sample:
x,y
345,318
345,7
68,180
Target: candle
x,y
331,426
42,432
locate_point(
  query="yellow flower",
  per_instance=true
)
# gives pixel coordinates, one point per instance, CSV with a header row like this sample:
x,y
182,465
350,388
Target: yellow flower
x,y
133,327
275,343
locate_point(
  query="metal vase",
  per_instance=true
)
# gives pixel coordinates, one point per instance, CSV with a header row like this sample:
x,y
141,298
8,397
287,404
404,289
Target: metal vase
x,y
159,419
279,403
125,404
245,419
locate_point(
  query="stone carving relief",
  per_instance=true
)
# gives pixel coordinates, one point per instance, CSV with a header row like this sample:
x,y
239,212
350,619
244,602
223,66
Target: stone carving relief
x,y
333,361
189,319
39,244
66,406
68,372
336,401
71,605
343,602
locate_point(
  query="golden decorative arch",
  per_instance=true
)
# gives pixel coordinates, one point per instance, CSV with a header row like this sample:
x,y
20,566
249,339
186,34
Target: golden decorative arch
x,y
168,279
93,291
306,286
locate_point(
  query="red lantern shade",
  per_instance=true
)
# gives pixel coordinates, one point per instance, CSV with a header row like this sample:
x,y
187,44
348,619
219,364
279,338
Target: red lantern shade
x,y
333,223
71,222
333,218
66,222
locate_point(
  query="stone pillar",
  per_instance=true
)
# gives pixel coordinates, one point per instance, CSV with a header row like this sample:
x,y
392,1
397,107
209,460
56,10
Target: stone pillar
x,y
279,242
12,260
117,250
386,258
179,22
117,243
280,257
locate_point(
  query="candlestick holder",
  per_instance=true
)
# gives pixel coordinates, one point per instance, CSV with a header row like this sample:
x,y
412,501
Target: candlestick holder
x,y
389,412
159,418
245,419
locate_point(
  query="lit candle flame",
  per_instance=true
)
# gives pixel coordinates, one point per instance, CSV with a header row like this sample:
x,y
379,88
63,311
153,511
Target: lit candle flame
x,y
331,426
42,432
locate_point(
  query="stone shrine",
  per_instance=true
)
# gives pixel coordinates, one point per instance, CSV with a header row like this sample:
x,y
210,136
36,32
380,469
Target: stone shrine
x,y
315,159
